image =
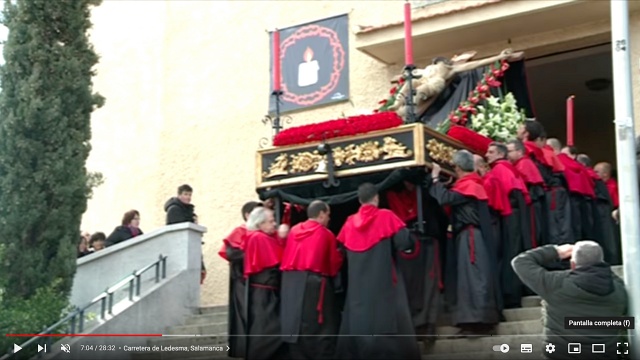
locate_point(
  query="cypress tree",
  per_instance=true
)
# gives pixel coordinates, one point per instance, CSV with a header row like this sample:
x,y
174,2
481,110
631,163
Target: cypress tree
x,y
46,101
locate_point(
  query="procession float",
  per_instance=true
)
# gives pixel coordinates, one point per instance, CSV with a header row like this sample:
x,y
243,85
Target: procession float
x,y
428,114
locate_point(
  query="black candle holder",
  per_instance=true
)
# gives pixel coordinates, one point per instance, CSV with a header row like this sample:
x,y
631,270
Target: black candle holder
x,y
325,149
276,120
409,76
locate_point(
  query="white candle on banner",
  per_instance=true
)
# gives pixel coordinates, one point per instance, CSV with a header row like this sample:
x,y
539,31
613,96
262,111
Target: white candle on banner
x,y
308,70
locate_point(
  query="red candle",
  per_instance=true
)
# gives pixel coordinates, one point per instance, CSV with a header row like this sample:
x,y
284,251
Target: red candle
x,y
276,60
408,44
570,120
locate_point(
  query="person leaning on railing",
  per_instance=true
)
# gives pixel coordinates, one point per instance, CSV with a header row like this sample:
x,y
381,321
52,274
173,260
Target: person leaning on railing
x,y
180,209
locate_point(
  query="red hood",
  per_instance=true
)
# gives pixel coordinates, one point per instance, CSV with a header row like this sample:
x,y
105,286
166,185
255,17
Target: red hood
x,y
471,185
552,159
364,217
306,229
577,177
533,150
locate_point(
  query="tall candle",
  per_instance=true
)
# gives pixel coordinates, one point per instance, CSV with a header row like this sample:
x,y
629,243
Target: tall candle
x,y
276,60
408,43
570,120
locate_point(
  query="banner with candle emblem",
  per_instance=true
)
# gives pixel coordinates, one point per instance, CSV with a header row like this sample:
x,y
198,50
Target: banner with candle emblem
x,y
314,64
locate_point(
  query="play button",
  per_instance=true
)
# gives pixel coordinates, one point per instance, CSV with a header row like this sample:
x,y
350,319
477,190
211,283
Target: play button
x,y
16,348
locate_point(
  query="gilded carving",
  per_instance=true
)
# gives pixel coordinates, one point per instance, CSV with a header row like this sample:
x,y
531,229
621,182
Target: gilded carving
x,y
345,156
369,151
394,149
440,152
351,154
305,161
278,167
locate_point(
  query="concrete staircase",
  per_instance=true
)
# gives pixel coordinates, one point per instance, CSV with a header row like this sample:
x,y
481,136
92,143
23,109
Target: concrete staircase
x,y
522,326
208,327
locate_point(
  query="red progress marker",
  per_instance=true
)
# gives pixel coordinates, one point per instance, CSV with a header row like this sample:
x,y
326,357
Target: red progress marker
x,y
77,335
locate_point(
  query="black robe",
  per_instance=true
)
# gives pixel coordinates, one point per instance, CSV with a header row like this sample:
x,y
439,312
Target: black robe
x,y
558,229
421,267
376,307
306,296
604,225
537,214
264,316
237,328
471,283
515,237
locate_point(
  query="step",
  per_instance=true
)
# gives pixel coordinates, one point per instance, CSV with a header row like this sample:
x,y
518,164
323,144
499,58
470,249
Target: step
x,y
213,329
214,309
523,314
485,344
531,301
513,354
208,318
188,341
528,327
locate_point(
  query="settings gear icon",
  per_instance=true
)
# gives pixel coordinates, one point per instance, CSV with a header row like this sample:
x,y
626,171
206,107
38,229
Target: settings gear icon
x,y
550,348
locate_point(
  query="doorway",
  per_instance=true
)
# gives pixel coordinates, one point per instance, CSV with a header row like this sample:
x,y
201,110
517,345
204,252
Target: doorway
x,y
586,73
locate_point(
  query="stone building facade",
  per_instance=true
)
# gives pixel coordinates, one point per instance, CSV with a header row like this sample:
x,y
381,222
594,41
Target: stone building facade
x,y
186,86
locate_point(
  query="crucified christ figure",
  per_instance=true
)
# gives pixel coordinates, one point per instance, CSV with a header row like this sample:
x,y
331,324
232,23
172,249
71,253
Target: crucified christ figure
x,y
435,78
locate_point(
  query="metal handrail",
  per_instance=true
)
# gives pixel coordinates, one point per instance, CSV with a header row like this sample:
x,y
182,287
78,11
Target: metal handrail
x,y
106,301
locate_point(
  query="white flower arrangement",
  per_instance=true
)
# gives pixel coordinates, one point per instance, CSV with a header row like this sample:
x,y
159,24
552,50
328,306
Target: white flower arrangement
x,y
498,119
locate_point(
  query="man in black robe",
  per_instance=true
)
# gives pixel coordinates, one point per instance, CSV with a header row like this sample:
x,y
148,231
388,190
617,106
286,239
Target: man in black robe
x,y
309,310
558,224
532,178
509,200
262,258
376,321
604,226
420,266
232,250
471,268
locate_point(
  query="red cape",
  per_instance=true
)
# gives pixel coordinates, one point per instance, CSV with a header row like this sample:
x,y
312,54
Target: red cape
x,y
366,228
403,203
535,152
471,185
235,239
552,159
612,186
577,178
529,171
499,182
261,251
311,247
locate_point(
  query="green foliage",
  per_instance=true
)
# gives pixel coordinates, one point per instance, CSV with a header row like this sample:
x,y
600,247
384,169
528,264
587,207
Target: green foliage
x,y
40,311
46,103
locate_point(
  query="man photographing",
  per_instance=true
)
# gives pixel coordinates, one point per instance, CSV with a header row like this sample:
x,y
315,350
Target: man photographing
x,y
588,289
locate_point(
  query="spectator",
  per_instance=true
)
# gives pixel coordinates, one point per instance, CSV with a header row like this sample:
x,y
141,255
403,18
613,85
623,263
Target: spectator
x,y
97,241
589,289
83,247
179,209
130,228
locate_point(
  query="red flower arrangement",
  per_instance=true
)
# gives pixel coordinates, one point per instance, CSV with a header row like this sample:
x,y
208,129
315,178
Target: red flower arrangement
x,y
350,126
461,115
477,143
385,104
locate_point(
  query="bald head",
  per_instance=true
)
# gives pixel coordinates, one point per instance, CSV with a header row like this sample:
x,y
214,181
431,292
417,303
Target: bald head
x,y
584,159
555,144
604,170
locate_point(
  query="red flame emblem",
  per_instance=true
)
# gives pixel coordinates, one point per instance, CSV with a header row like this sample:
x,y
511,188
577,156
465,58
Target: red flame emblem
x,y
308,54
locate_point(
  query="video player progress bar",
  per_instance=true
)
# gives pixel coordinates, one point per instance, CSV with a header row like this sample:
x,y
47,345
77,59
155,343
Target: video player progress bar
x,y
83,335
